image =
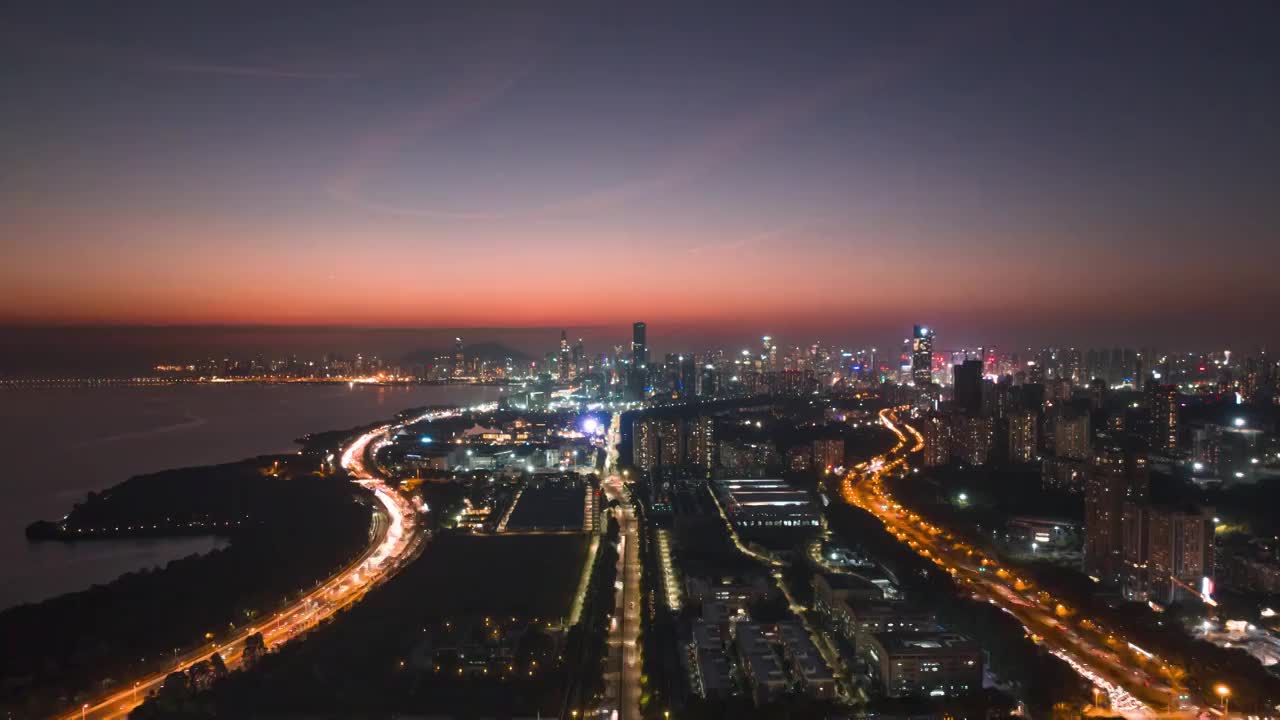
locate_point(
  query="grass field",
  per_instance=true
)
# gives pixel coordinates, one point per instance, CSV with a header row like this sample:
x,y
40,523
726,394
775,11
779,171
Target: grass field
x,y
526,575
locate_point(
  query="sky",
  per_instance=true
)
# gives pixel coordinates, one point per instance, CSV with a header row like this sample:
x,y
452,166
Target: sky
x,y
1004,172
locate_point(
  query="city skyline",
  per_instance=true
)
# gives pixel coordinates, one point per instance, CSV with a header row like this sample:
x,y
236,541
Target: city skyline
x,y
992,170
109,351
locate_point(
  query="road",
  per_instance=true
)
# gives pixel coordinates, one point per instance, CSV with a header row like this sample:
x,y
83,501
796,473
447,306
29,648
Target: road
x,y
1137,683
623,667
396,537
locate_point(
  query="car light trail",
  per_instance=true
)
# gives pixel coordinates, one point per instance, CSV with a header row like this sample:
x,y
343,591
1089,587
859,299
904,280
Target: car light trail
x,y
1132,690
399,536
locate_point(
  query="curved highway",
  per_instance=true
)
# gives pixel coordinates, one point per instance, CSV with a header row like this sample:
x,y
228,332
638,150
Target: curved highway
x,y
396,537
1138,684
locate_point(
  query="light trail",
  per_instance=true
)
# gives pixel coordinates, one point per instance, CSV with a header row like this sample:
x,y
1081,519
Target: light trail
x,y
398,538
1133,689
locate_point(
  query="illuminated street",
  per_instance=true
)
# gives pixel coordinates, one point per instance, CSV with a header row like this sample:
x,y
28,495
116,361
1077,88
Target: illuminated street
x,y
1136,682
623,667
396,538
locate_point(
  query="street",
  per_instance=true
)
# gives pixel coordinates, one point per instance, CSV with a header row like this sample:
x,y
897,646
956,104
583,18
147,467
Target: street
x,y
397,537
623,667
1136,686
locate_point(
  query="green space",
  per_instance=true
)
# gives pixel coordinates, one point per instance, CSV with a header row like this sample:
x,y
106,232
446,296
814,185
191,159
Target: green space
x,y
525,575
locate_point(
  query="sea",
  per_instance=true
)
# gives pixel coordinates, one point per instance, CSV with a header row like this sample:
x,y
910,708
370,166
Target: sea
x,y
57,444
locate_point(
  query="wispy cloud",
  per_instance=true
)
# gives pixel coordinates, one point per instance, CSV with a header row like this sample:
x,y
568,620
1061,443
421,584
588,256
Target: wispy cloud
x,y
257,71
381,146
778,233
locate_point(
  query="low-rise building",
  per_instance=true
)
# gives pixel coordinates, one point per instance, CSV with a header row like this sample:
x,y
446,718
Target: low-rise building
x,y
805,662
708,667
925,664
761,666
765,503
857,615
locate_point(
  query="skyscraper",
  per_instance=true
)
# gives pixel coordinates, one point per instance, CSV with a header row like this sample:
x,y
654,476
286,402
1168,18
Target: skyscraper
x,y
922,356
459,359
564,356
639,347
968,387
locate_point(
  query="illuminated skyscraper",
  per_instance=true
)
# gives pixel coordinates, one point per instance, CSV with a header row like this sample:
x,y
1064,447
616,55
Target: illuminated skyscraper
x,y
459,359
769,352
564,356
639,347
922,356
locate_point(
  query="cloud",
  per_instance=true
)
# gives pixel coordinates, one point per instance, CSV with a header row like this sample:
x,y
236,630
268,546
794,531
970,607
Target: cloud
x,y
786,231
254,71
382,145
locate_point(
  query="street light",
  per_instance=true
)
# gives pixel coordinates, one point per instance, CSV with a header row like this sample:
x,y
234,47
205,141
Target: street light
x,y
1224,692
83,709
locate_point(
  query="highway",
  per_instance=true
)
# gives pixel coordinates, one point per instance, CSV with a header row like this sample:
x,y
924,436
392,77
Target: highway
x,y
623,667
1138,684
396,537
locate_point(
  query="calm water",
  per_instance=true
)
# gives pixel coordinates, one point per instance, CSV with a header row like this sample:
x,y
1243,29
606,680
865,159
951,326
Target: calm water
x,y
58,444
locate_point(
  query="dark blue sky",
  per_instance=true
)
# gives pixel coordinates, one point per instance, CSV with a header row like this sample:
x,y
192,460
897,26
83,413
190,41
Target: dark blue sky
x,y
1008,172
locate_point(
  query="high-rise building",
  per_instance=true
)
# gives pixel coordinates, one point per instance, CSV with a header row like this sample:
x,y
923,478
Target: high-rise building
x,y
1022,436
1071,435
922,356
1163,401
1168,552
687,379
828,453
565,359
937,440
769,353
459,359
655,443
702,442
967,388
1181,552
1117,476
579,366
972,438
639,345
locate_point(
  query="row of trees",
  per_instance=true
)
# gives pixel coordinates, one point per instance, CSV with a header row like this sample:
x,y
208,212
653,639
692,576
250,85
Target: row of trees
x,y
1037,677
587,641
464,630
1253,688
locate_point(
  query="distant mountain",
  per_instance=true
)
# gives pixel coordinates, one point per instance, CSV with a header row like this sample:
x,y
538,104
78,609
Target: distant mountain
x,y
484,350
